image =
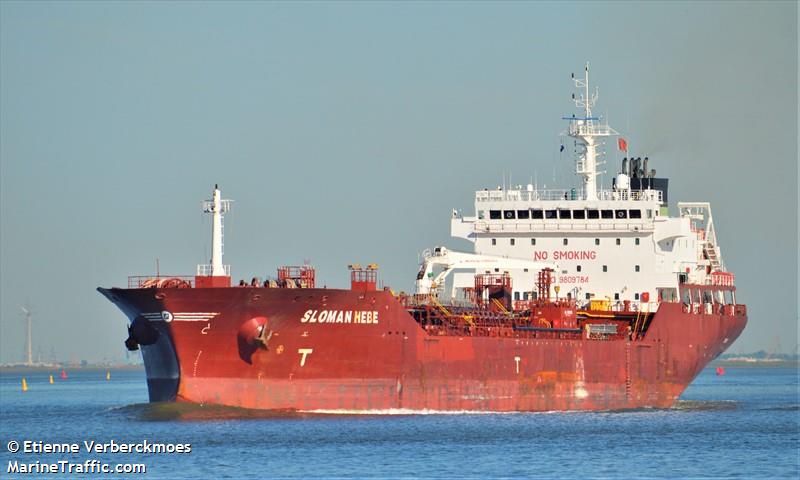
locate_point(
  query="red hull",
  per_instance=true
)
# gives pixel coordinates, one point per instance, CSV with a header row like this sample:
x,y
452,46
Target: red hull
x,y
393,363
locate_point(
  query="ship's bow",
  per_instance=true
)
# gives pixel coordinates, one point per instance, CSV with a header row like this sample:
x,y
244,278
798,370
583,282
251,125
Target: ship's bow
x,y
152,338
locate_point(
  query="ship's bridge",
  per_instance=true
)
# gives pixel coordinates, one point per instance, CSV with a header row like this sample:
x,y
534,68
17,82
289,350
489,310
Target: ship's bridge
x,y
531,210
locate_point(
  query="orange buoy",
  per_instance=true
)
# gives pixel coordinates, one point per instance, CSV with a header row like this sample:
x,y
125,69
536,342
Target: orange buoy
x,y
720,371
63,375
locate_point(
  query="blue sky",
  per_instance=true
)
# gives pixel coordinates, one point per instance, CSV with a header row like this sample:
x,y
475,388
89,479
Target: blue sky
x,y
346,132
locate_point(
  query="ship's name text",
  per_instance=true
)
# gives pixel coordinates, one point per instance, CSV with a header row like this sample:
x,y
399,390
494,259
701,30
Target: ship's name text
x,y
566,255
339,316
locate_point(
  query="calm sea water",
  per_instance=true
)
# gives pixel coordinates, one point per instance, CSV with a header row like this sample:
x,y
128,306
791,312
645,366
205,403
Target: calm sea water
x,y
745,424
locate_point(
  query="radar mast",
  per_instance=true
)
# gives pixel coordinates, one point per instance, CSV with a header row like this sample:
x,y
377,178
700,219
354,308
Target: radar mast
x,y
587,130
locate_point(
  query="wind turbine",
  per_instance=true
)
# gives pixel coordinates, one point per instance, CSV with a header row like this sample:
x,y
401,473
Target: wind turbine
x,y
29,320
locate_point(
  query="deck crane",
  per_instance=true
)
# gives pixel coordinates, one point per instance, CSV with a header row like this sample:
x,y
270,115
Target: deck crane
x,y
427,283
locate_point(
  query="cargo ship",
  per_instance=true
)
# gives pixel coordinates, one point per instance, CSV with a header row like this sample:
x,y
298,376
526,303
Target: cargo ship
x,y
586,298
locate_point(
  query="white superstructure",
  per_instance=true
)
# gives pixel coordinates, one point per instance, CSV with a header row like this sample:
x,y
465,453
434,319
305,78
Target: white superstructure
x,y
617,244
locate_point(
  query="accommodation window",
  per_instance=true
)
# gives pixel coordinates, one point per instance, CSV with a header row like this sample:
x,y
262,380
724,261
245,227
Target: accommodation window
x,y
579,214
481,214
636,241
495,214
636,296
634,213
516,295
616,296
523,214
562,213
566,241
509,214
597,241
537,214
588,295
550,213
512,241
605,268
494,241
533,241
621,214
578,268
636,268
592,214
619,242
607,213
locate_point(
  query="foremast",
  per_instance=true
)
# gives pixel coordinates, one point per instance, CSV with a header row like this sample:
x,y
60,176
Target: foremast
x,y
215,274
589,131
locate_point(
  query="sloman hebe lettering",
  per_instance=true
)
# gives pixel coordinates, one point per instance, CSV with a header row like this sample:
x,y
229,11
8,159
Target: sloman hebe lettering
x,y
340,316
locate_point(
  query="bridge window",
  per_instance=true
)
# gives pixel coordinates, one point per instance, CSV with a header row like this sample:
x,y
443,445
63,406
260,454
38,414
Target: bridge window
x,y
579,214
533,241
636,268
566,241
537,214
635,213
550,214
607,213
621,213
495,214
509,214
686,296
605,268
597,241
592,214
513,242
494,241
523,214
707,296
562,213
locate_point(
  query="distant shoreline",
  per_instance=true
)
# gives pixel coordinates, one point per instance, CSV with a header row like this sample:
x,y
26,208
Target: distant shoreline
x,y
56,368
755,363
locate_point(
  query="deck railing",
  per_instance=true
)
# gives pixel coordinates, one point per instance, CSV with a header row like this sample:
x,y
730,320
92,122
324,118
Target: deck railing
x,y
565,194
